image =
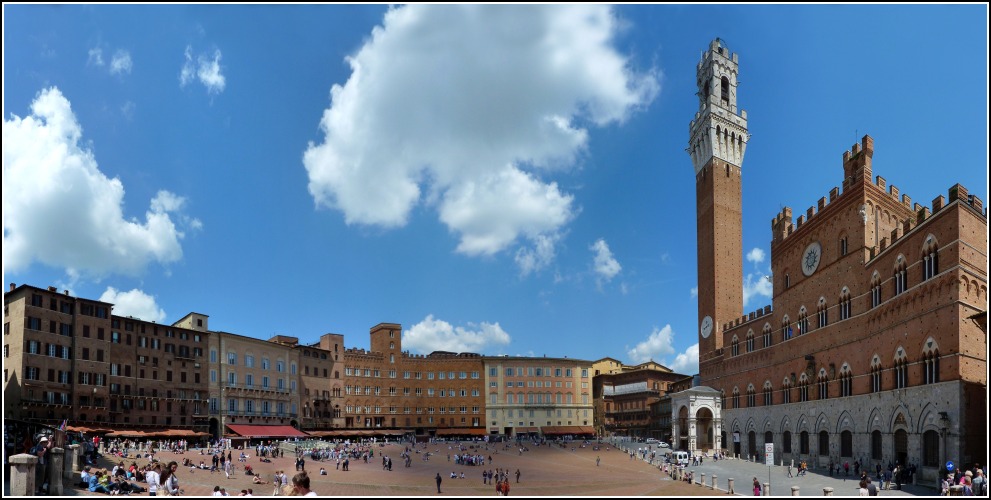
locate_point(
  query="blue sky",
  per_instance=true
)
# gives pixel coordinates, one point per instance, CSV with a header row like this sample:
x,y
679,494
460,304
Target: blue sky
x,y
497,179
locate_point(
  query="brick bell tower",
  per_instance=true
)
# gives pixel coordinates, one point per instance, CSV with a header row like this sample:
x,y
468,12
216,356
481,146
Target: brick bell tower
x,y
718,140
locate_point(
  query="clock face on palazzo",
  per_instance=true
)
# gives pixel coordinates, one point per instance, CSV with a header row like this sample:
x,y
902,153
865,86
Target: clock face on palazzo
x,y
811,258
705,328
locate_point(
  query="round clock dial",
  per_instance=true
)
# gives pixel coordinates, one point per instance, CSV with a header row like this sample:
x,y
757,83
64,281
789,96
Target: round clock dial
x,y
706,327
811,258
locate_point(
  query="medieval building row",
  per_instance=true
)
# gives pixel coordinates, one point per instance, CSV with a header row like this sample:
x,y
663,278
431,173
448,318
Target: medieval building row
x,y
71,358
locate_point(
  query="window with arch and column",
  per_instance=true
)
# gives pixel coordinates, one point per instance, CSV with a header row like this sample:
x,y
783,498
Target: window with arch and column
x,y
735,346
822,312
785,328
930,362
751,396
930,258
750,341
803,389
767,335
876,371
823,385
845,304
768,394
875,289
786,391
736,397
846,381
901,276
901,369
803,321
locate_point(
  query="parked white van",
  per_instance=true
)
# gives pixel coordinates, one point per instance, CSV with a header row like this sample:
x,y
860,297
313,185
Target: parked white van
x,y
679,458
653,441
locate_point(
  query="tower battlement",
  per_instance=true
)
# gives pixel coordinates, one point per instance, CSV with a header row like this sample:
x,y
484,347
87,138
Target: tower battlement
x,y
857,162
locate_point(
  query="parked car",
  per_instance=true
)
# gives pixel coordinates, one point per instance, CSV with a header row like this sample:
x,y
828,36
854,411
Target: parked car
x,y
662,444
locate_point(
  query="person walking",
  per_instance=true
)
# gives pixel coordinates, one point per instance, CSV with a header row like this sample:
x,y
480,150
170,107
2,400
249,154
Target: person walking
x,y
517,475
438,479
756,487
596,461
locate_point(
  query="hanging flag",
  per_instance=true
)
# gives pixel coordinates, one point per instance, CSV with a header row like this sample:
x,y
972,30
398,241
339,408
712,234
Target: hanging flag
x,y
65,422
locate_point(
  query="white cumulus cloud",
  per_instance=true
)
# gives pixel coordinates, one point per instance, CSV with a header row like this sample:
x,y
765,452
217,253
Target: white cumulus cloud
x,y
694,292
686,363
60,210
468,108
756,284
756,256
133,303
204,69
659,346
121,62
437,335
606,267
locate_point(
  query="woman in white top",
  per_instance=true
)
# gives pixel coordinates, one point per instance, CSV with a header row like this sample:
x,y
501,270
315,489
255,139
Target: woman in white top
x,y
152,477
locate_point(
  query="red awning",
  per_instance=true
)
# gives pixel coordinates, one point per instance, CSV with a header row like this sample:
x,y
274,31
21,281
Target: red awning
x,y
265,431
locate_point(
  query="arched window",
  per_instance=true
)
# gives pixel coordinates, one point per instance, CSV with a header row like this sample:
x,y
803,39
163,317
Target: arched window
x,y
767,335
930,362
846,382
900,278
901,369
785,329
823,384
786,391
768,393
823,443
803,321
876,445
845,308
930,258
750,341
843,245
822,312
803,443
803,388
787,281
724,87
736,397
875,289
736,346
786,441
876,373
751,396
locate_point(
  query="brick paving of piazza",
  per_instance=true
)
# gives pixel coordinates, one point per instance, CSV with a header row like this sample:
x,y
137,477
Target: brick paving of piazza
x,y
545,471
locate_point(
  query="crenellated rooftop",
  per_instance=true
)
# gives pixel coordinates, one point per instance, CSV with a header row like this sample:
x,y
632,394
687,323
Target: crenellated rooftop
x,y
856,167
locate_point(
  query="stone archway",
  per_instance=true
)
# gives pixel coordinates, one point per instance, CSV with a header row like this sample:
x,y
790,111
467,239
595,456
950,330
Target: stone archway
x,y
683,428
704,429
